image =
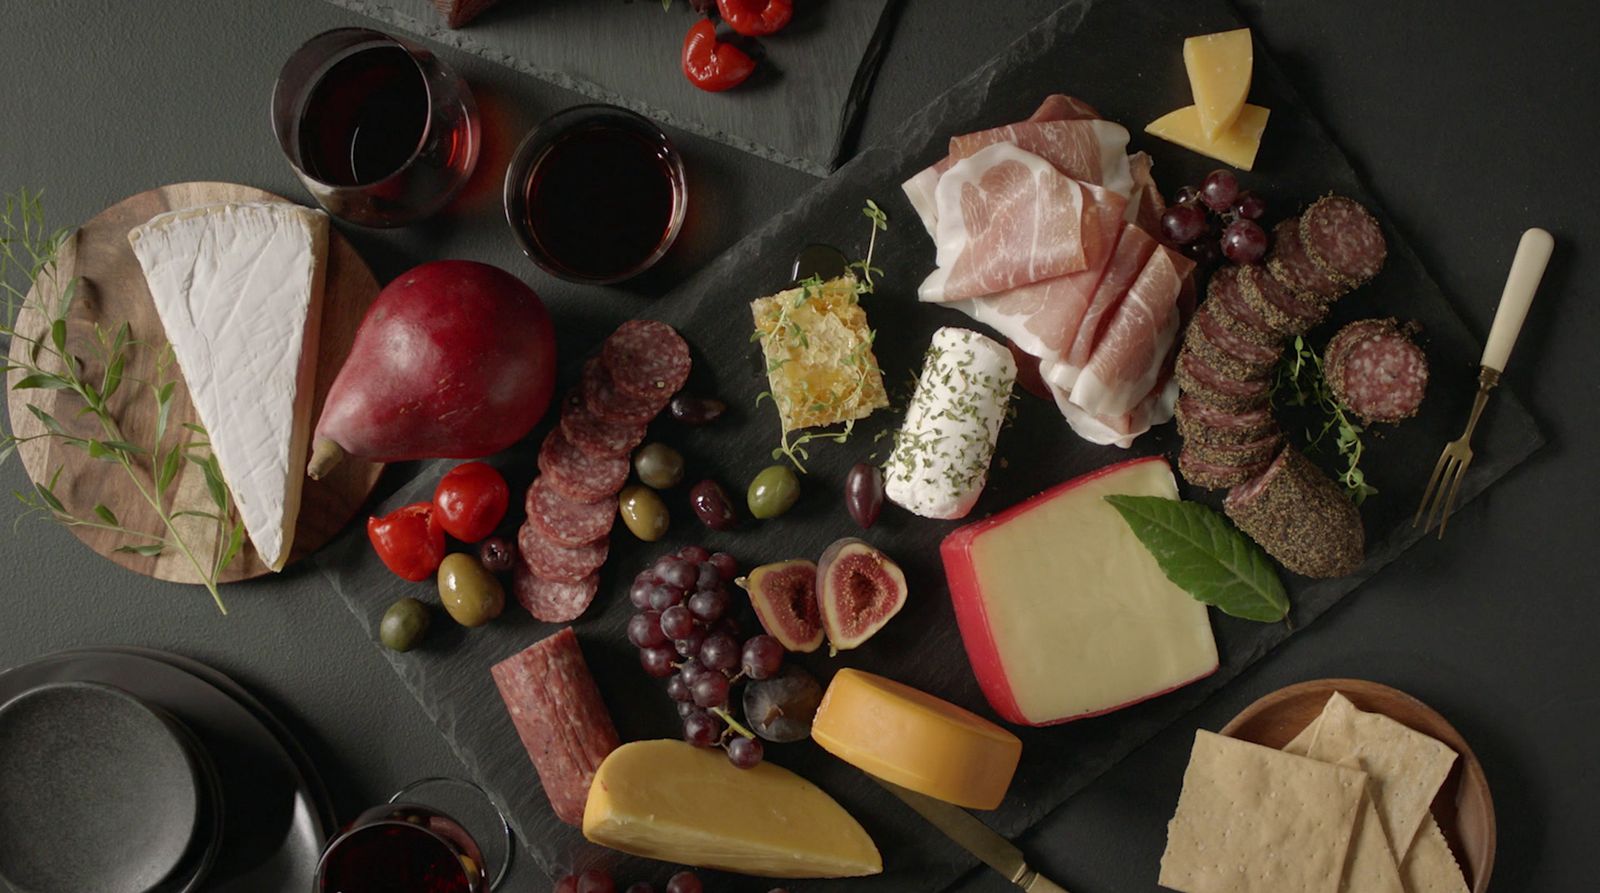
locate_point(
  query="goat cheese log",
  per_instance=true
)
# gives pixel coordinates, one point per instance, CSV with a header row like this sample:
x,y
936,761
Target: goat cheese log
x,y
1300,516
942,451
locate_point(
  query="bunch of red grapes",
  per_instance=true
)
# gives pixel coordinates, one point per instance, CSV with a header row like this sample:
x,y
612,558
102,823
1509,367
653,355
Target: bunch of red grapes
x,y
1216,220
686,634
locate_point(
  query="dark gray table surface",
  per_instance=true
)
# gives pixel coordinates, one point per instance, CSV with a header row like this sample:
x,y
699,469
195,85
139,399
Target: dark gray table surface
x,y
1471,122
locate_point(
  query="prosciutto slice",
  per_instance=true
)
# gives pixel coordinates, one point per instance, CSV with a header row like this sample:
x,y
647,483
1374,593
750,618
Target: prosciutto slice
x,y
1129,356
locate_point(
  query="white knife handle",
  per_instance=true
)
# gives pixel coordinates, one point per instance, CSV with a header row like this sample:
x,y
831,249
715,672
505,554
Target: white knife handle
x,y
1042,884
1527,268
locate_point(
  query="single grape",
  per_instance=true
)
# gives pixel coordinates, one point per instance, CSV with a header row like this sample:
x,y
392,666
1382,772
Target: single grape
x,y
639,592
663,596
686,707
657,661
676,622
710,690
641,887
720,652
745,752
685,882
694,554
702,729
689,645
1249,205
1219,190
691,670
763,657
674,571
1244,241
708,577
1186,195
708,605
568,884
644,630
596,881
678,689
726,565
1182,224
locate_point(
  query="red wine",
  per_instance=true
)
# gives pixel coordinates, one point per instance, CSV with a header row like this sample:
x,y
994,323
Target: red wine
x,y
364,118
393,857
600,201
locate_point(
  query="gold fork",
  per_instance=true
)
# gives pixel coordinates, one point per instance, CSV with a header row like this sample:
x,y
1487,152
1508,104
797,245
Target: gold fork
x,y
1527,268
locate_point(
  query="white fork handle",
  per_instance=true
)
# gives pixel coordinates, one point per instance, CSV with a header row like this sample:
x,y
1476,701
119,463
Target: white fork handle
x,y
1527,268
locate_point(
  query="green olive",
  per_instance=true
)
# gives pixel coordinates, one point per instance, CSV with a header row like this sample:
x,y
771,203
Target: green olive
x,y
644,512
471,595
773,492
659,466
404,625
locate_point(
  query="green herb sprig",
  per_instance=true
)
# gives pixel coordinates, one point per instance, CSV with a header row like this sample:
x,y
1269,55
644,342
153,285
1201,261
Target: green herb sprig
x,y
1299,381
29,252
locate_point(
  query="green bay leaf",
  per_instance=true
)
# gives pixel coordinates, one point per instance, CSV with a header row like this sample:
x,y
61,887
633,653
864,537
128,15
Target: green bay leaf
x,y
1205,556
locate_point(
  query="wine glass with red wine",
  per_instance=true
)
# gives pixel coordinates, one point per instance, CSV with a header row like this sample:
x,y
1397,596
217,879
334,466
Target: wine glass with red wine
x,y
409,847
379,129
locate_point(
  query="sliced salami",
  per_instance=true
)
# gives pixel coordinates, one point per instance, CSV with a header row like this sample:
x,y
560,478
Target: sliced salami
x,y
1210,386
1225,295
612,403
1285,312
553,601
596,436
1246,454
1203,423
647,358
579,475
1344,239
1203,337
1300,516
1376,370
550,560
1215,475
568,521
1289,263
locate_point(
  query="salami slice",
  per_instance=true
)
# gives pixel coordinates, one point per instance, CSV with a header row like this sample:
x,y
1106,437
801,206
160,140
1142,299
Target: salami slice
x,y
556,708
647,358
1210,386
1225,295
612,403
1376,370
1246,454
1203,337
1289,263
1344,239
1284,312
1203,423
578,475
594,435
1216,475
553,601
568,522
552,561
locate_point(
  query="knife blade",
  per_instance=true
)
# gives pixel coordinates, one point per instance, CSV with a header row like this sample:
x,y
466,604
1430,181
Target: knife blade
x,y
976,838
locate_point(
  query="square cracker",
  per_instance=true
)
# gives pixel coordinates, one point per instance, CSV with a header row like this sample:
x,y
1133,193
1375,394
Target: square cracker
x,y
1430,867
1371,866
1300,745
1406,766
1255,820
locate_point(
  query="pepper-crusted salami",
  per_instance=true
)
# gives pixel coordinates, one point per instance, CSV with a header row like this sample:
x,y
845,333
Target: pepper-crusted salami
x,y
579,475
1203,423
1225,294
1300,516
647,358
1210,386
552,561
560,717
1289,263
1376,370
1285,312
568,522
594,435
553,601
1212,342
1215,475
612,403
1343,239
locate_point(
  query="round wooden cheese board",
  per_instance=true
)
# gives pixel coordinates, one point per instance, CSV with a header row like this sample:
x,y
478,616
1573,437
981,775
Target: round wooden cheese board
x,y
111,290
1463,807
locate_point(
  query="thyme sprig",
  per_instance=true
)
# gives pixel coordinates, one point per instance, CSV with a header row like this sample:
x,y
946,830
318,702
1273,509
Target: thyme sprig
x,y
29,252
1300,382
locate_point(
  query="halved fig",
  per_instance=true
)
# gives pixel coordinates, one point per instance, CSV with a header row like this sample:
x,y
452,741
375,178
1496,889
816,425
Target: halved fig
x,y
860,589
781,708
784,595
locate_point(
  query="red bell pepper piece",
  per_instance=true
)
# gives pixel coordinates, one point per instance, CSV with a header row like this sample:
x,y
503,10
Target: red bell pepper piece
x,y
409,540
710,65
756,18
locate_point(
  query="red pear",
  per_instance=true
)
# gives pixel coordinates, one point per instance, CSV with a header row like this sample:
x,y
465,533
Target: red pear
x,y
455,359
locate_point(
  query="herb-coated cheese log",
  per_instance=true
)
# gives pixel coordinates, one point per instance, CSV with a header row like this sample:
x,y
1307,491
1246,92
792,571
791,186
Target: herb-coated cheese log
x,y
942,452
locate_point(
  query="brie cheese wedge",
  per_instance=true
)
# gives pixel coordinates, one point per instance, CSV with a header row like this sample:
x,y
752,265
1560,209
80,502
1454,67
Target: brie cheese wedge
x,y
239,288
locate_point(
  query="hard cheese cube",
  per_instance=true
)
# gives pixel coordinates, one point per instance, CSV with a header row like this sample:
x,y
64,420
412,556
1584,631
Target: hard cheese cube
x,y
1064,613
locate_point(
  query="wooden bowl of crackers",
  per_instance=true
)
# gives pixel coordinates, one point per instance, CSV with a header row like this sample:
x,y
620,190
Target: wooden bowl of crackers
x,y
1462,808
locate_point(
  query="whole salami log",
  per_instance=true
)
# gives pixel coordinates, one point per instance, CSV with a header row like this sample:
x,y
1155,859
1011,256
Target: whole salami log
x,y
1374,368
553,601
1343,239
560,717
646,358
1300,517
1289,263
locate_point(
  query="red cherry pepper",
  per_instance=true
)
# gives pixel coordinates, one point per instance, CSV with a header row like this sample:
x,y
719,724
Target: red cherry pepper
x,y
409,540
470,501
710,65
756,18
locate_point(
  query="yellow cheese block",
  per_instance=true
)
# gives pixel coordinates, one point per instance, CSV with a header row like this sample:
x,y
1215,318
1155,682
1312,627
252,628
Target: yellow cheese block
x,y
1219,77
1237,145
916,740
672,801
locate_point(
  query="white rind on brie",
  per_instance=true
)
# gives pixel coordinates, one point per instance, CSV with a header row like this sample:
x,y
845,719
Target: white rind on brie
x,y
239,290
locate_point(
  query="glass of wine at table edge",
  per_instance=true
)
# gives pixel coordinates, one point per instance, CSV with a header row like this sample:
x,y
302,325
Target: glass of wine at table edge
x,y
379,129
406,846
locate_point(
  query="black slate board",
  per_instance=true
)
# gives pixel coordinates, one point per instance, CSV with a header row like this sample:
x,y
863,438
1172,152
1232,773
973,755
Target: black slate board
x,y
1123,57
811,81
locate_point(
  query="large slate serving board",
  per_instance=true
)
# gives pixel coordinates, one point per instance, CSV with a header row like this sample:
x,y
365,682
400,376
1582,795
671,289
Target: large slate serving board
x,y
797,108
1122,56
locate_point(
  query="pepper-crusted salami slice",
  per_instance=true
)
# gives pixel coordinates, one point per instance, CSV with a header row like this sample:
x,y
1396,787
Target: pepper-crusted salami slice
x,y
1211,475
1203,423
1344,239
1289,263
1210,386
552,561
1203,337
1300,516
1285,312
553,601
560,717
1225,295
1376,370
647,358
568,521
579,475
612,403
596,436
1250,453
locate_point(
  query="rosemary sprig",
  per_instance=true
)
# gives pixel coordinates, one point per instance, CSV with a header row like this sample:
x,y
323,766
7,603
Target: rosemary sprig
x,y
28,251
1300,382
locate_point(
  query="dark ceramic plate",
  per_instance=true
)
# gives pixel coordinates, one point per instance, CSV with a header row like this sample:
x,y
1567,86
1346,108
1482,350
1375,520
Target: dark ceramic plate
x,y
281,814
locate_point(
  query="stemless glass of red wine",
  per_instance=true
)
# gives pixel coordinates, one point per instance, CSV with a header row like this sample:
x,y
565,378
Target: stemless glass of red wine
x,y
380,131
596,194
410,847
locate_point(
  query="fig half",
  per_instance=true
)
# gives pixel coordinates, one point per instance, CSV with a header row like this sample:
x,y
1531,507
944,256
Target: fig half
x,y
859,589
784,595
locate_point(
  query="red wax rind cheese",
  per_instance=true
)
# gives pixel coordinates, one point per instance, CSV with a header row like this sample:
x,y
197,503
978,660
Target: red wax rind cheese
x,y
560,717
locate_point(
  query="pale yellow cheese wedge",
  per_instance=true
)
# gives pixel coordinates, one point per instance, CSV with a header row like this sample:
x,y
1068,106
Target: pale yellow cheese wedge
x,y
672,801
1236,146
1219,77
